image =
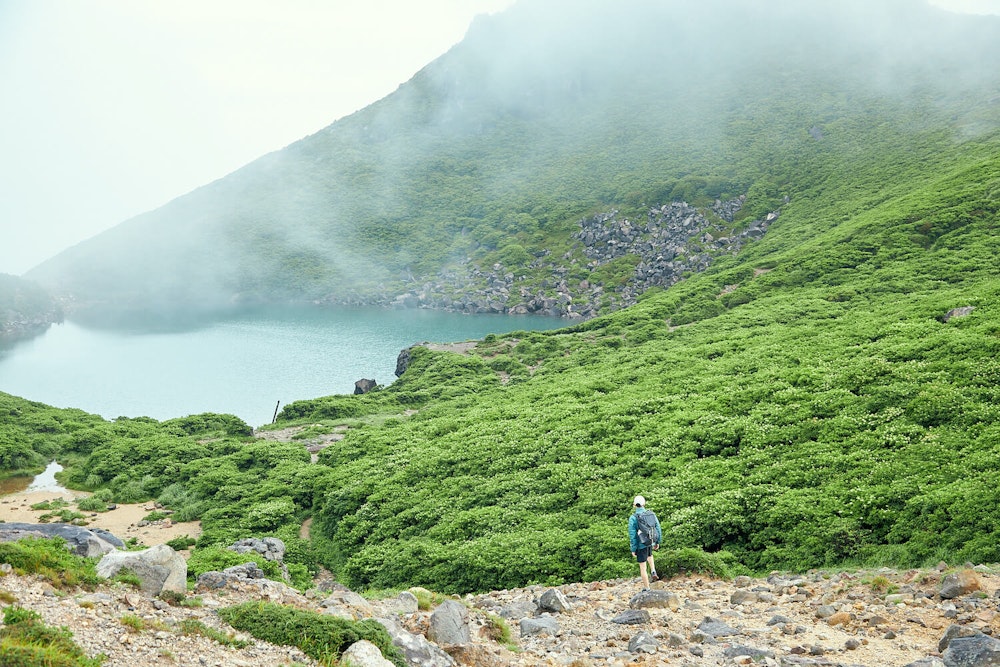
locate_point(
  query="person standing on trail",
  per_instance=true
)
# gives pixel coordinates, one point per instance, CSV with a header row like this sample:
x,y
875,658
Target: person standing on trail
x,y
644,538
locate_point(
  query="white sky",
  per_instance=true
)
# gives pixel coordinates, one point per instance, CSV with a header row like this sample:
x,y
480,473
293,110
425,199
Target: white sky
x,y
109,108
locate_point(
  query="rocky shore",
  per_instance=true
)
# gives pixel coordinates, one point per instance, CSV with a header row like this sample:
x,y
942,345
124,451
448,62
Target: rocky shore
x,y
674,240
25,309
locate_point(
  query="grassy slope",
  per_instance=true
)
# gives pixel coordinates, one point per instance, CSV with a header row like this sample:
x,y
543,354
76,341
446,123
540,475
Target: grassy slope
x,y
817,413
820,413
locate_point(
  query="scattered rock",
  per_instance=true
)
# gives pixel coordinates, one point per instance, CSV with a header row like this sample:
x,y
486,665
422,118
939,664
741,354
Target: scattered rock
x,y
976,651
655,599
449,624
754,654
960,583
415,648
553,600
406,603
715,628
632,617
743,597
364,654
544,624
958,312
643,643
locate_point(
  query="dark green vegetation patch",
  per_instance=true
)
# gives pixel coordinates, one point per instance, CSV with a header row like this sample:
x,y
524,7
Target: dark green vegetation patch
x,y
27,642
321,637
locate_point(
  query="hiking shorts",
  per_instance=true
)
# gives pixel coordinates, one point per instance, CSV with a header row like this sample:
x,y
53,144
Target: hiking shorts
x,y
643,553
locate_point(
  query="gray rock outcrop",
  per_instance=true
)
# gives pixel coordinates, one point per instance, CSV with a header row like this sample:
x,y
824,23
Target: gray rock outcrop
x,y
964,311
543,625
673,240
643,643
976,651
364,654
363,386
417,651
632,617
158,568
449,624
271,548
553,600
87,542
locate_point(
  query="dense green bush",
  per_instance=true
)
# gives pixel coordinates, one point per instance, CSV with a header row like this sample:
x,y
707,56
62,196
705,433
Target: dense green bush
x,y
49,558
323,638
27,642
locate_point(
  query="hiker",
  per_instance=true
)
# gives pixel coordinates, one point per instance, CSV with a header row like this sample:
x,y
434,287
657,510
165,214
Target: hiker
x,y
644,537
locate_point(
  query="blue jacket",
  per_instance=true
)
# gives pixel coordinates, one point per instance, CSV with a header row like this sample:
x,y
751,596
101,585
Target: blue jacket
x,y
633,522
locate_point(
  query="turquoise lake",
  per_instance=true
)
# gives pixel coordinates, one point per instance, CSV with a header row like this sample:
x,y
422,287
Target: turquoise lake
x,y
241,365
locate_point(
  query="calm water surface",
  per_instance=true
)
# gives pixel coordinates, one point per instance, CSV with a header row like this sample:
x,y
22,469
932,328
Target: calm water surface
x,y
241,365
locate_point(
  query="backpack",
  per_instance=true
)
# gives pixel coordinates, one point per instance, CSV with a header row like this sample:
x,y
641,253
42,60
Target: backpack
x,y
645,525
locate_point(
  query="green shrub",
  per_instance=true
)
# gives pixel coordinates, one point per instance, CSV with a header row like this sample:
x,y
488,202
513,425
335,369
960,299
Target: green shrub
x,y
50,559
133,622
182,542
191,626
670,562
91,504
321,637
54,504
26,642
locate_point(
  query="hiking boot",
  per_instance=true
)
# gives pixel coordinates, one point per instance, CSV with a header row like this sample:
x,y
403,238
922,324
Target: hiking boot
x,y
654,577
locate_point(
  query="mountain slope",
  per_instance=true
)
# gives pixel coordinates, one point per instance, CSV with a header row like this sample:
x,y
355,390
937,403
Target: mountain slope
x,y
829,395
544,114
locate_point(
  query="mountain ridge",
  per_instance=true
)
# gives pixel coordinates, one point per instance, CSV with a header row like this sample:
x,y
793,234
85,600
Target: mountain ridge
x,y
492,147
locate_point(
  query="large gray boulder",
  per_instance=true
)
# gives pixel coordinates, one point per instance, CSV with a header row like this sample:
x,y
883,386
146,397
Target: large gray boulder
x,y
364,654
364,385
159,568
643,642
655,599
554,600
959,583
417,651
87,542
449,624
543,625
715,628
271,548
976,651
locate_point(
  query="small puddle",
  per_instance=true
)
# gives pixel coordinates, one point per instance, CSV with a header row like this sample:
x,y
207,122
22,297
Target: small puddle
x,y
47,480
44,481
10,485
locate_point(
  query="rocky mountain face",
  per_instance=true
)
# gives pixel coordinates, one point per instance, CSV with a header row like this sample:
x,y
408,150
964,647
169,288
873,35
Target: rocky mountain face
x,y
675,239
544,113
25,309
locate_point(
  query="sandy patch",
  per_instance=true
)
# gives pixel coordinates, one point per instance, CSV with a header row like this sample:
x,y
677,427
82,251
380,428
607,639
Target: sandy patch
x,y
122,522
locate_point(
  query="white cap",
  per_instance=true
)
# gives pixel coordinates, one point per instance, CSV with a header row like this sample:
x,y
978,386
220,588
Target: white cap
x,y
640,501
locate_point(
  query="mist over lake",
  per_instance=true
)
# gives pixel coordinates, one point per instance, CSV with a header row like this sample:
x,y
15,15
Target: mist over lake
x,y
241,365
